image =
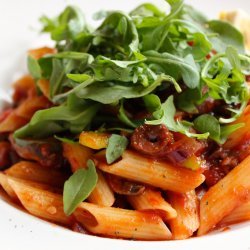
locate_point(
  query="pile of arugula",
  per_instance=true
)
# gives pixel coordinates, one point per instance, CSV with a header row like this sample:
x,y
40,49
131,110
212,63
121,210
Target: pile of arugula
x,y
140,56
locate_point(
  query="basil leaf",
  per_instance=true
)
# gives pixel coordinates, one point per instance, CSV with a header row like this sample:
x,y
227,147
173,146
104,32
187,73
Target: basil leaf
x,y
116,146
152,102
78,187
218,133
208,123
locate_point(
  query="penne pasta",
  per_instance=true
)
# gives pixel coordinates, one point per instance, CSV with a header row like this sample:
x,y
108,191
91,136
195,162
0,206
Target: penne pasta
x,y
41,203
102,194
225,196
31,105
6,186
151,200
121,223
239,214
78,156
22,114
34,172
243,133
24,88
4,182
12,122
187,220
155,173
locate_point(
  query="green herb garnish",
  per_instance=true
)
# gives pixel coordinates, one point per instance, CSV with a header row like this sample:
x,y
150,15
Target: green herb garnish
x,y
78,187
116,146
167,62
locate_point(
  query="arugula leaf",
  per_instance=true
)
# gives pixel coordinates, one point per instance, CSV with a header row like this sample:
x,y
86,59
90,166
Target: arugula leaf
x,y
106,69
233,57
119,61
73,117
119,30
176,8
189,99
201,46
68,25
45,64
227,35
109,92
116,146
34,68
146,10
57,77
78,187
176,67
224,76
191,14
62,65
122,116
80,78
168,112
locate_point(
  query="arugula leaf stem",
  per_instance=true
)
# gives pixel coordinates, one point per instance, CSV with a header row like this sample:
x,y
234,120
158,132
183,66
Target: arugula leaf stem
x,y
86,83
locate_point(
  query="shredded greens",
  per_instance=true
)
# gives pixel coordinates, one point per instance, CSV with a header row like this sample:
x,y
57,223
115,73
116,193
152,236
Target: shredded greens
x,y
147,59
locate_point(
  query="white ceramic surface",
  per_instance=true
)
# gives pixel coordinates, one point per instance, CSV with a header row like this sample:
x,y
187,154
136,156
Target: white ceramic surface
x,y
18,231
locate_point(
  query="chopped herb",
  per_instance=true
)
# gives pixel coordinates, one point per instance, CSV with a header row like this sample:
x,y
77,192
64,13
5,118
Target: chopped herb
x,y
78,187
116,146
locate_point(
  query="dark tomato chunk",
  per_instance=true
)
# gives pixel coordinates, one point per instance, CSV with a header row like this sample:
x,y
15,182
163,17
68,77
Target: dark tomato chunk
x,y
152,140
183,148
124,187
48,153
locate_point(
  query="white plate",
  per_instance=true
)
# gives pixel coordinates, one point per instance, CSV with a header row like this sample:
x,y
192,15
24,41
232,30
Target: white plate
x,y
18,230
